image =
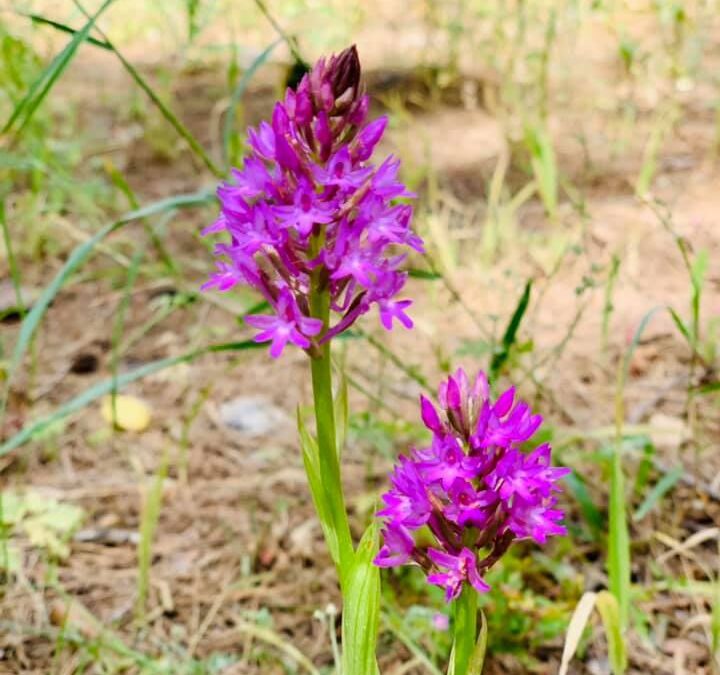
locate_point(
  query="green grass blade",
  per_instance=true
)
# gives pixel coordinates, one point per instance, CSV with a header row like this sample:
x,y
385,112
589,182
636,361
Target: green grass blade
x,y
243,82
27,106
618,562
591,513
37,18
311,461
149,517
12,262
77,257
119,324
106,386
393,623
659,490
181,129
508,340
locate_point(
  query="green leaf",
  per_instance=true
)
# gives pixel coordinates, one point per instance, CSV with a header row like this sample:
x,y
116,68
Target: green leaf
x,y
698,269
477,660
610,614
499,358
229,123
311,460
37,18
591,513
342,414
106,386
427,275
165,111
27,106
659,490
361,611
681,326
79,254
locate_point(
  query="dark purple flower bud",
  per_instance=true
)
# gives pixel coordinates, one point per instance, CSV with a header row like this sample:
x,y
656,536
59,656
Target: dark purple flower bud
x,y
345,72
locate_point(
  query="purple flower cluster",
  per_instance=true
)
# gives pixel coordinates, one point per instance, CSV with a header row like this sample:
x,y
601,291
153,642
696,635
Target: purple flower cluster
x,y
310,214
472,488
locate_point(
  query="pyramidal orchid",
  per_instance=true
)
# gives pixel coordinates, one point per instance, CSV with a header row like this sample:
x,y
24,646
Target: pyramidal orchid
x,y
311,214
321,231
472,487
473,491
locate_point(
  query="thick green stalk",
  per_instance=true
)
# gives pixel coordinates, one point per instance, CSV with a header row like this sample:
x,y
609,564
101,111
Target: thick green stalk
x,y
465,630
326,437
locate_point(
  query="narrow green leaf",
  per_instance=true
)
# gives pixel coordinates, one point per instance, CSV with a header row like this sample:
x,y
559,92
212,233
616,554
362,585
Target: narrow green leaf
x,y
37,18
79,254
311,461
659,490
106,386
644,468
427,275
27,106
149,517
165,111
342,414
361,611
508,340
618,562
681,326
591,513
12,262
477,660
610,614
229,123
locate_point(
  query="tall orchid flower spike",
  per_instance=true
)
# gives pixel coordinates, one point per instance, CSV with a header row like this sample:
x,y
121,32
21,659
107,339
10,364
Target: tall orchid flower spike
x,y
310,212
474,490
321,231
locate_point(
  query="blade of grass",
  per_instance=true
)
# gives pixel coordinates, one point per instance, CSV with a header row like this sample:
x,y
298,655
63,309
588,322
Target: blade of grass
x,y
37,18
659,490
27,106
77,257
119,326
618,562
228,124
181,129
393,623
150,514
508,340
289,40
106,386
608,302
12,262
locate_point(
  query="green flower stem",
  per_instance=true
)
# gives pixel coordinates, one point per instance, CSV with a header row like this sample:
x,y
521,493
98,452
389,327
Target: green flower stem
x,y
321,366
465,629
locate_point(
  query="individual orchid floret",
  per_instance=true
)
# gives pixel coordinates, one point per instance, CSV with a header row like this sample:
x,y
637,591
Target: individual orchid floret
x,y
310,213
473,487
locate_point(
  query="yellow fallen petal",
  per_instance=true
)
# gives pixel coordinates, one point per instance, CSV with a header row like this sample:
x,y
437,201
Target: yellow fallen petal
x,y
130,414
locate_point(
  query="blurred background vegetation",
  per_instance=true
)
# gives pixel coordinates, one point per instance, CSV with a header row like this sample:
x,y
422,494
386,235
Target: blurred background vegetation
x,y
566,157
